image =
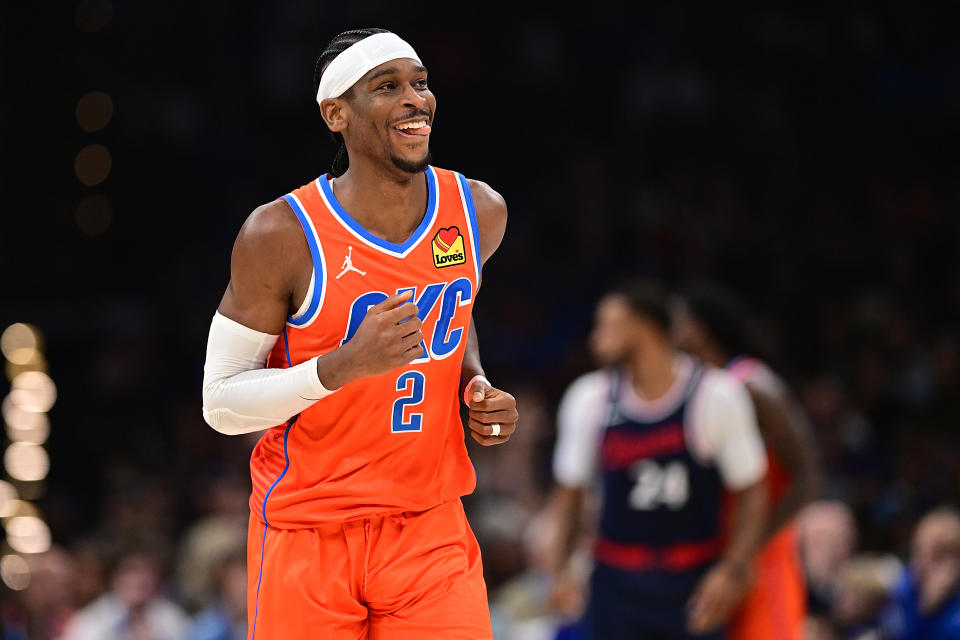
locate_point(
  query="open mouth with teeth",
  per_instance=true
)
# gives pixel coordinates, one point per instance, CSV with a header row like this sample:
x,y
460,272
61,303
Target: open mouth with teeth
x,y
413,129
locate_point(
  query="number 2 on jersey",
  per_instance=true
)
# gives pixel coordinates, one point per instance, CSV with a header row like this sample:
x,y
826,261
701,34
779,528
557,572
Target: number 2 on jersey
x,y
412,383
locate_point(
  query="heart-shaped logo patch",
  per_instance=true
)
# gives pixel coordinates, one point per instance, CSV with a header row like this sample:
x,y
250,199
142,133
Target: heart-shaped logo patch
x,y
446,237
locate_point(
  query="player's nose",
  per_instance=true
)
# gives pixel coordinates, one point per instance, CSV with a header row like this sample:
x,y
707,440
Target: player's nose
x,y
413,98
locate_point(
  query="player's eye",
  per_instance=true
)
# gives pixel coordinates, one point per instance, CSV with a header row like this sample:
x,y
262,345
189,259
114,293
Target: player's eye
x,y
421,83
386,86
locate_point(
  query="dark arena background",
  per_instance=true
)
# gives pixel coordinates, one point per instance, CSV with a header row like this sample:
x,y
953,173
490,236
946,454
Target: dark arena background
x,y
805,159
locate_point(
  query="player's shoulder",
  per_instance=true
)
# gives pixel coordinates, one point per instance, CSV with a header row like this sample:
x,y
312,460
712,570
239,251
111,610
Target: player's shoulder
x,y
758,377
270,220
491,211
486,197
719,386
593,386
271,234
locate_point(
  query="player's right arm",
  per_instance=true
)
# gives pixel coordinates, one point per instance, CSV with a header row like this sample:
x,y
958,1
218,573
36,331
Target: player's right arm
x,y
239,394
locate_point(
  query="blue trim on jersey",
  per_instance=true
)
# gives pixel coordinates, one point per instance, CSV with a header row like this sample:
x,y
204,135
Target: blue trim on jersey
x,y
256,608
472,219
317,263
286,459
415,237
286,345
286,433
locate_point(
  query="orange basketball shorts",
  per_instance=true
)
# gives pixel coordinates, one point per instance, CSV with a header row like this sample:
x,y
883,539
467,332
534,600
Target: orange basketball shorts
x,y
776,605
397,577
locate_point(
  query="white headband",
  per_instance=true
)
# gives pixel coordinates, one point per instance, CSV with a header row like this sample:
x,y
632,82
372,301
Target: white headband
x,y
357,59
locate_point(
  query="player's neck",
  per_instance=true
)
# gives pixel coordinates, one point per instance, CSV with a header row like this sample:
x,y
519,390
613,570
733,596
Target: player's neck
x,y
387,204
652,371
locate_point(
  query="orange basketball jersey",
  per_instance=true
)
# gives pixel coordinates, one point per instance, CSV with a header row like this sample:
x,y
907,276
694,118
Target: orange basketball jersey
x,y
388,443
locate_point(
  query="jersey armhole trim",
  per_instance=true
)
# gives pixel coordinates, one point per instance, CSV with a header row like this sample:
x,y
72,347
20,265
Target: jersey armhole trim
x,y
313,301
470,213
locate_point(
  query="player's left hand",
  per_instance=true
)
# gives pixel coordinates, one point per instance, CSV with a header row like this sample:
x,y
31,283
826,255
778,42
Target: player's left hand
x,y
717,596
489,407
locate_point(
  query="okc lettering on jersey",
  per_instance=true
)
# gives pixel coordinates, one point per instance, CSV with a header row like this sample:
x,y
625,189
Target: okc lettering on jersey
x,y
445,339
622,448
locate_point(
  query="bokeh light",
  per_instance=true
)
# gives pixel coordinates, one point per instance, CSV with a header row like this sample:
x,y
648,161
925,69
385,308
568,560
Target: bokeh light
x,y
94,214
28,534
94,111
27,426
38,363
20,508
33,391
20,343
27,462
8,498
93,15
15,572
93,164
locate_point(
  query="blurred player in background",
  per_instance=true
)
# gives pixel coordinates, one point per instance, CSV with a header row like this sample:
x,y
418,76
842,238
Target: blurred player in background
x,y
667,436
711,324
347,322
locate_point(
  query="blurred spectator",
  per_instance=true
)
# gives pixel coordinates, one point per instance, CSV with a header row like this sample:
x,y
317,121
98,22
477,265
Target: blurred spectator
x,y
926,602
133,609
528,606
226,618
91,572
828,539
819,628
211,541
42,610
51,597
863,590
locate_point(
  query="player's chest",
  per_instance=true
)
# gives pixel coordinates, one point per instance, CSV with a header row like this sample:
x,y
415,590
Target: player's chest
x,y
624,444
441,276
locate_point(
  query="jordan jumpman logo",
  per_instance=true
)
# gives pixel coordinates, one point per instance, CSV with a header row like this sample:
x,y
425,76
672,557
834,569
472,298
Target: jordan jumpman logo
x,y
348,264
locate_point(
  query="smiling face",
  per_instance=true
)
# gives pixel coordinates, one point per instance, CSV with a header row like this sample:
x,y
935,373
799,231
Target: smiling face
x,y
386,116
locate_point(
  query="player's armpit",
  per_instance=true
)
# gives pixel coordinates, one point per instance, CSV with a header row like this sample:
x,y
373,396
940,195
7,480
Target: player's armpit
x,y
269,256
491,217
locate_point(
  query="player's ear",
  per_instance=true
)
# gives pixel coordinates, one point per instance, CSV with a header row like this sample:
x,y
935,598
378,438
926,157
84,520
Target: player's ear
x,y
334,114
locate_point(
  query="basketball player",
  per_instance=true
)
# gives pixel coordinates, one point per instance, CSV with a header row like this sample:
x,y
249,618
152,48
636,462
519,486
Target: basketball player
x,y
711,324
356,528
667,436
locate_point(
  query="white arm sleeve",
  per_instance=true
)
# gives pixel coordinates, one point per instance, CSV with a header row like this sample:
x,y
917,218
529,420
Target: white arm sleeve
x,y
725,429
579,421
239,395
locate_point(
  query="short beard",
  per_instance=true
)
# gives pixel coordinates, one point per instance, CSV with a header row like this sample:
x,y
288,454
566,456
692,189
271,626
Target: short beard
x,y
411,167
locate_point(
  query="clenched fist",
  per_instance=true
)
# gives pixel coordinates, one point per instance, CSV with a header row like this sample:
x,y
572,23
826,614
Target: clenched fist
x,y
388,337
493,413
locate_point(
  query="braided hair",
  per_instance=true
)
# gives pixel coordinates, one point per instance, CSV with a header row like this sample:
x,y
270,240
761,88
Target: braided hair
x,y
724,317
334,48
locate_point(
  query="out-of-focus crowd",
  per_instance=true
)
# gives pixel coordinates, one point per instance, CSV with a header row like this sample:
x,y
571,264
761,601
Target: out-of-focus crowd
x,y
131,584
